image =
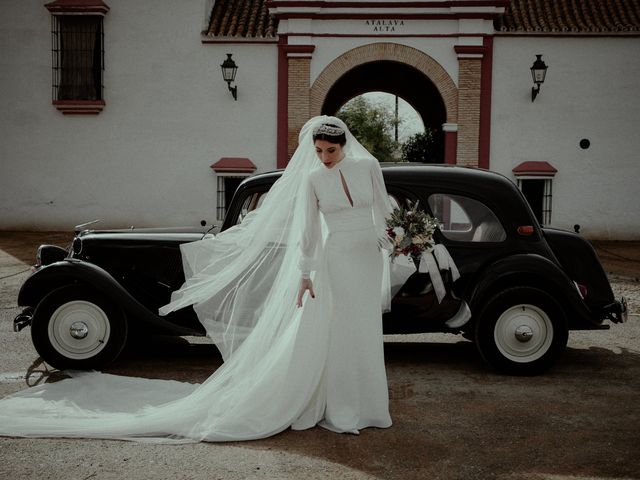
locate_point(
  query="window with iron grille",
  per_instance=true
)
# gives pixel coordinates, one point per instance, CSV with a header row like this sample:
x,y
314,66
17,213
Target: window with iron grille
x,y
78,57
227,185
539,193
230,171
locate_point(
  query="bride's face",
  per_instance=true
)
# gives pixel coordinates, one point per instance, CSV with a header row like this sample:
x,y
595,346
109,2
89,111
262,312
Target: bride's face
x,y
328,153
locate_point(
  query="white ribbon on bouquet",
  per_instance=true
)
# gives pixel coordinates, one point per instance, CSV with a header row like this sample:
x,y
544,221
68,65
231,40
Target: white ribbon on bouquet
x,y
432,261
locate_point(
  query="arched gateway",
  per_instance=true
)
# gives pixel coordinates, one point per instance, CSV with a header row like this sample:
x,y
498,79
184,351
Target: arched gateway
x,y
436,55
393,68
458,111
386,52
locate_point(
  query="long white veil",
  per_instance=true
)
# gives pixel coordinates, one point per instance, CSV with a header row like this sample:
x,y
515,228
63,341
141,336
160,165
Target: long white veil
x,y
249,271
243,281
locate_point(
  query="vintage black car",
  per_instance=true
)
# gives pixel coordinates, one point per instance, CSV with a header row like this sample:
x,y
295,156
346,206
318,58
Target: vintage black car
x,y
526,286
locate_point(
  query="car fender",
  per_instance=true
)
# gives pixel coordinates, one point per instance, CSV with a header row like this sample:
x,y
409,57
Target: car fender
x,y
536,271
73,271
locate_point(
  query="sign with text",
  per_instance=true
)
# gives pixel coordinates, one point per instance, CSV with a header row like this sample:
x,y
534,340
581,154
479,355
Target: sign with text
x,y
384,26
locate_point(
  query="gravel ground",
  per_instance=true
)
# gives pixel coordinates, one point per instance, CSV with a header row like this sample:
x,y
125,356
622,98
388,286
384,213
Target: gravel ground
x,y
453,418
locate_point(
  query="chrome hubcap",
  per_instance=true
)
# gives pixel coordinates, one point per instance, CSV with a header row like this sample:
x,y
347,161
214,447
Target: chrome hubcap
x,y
524,333
79,330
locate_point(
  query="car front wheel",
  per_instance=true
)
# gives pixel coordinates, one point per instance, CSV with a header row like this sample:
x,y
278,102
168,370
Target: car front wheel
x,y
521,331
76,328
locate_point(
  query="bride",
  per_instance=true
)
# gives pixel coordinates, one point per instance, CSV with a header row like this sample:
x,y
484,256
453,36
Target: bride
x,y
292,296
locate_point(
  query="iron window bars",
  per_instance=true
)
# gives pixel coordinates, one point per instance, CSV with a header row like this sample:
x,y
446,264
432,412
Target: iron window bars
x,y
78,57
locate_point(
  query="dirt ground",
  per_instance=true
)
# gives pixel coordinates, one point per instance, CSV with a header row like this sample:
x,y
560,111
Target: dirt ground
x,y
620,258
23,245
453,417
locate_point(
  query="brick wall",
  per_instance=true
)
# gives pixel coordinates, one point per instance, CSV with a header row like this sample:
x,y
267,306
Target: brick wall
x,y
468,111
298,99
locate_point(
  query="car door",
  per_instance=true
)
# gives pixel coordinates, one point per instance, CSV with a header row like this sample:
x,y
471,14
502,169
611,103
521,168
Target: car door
x,y
471,231
415,307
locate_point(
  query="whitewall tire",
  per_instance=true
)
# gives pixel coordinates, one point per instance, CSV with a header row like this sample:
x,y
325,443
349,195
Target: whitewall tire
x,y
521,331
75,328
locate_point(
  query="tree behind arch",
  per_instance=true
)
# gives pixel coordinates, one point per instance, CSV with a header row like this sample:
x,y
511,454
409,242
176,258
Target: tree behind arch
x,y
419,147
373,126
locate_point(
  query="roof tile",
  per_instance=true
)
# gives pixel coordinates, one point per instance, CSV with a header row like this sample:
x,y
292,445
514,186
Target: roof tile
x,y
234,164
251,18
535,169
570,16
241,18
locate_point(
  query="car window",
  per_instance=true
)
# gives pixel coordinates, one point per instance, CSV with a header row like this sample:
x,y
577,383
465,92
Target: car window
x,y
251,203
465,219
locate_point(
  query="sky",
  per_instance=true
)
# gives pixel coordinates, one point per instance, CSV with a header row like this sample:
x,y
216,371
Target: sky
x,y
411,121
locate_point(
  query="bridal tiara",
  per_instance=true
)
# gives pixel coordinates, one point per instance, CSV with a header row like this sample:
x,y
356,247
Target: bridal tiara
x,y
328,130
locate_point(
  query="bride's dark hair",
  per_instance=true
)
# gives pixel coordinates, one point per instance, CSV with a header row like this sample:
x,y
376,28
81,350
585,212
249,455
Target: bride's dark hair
x,y
331,133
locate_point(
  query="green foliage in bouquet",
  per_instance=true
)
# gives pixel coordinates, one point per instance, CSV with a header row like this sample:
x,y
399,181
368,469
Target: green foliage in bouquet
x,y
411,230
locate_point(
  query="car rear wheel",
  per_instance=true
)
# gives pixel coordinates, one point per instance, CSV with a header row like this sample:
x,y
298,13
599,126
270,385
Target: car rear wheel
x,y
521,331
76,328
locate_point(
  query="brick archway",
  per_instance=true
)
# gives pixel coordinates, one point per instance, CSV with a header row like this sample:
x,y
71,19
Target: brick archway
x,y
390,52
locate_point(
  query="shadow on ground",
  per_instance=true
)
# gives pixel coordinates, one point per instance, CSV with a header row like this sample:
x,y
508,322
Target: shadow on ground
x,y
454,418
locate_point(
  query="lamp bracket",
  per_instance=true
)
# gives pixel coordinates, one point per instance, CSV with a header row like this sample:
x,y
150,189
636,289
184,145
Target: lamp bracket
x,y
534,92
233,90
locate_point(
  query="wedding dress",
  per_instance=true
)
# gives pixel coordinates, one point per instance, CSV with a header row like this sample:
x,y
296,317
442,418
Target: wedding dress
x,y
284,366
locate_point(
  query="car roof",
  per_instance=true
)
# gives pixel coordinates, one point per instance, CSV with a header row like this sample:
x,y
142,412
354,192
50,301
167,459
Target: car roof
x,y
490,188
455,177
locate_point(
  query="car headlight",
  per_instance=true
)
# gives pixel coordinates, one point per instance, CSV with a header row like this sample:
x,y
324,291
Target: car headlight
x,y
77,246
48,254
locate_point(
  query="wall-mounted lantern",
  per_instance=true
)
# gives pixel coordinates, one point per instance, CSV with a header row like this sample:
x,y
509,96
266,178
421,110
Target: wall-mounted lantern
x,y
229,69
538,72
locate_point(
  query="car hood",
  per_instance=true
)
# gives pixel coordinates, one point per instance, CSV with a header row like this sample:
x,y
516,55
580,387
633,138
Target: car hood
x,y
151,234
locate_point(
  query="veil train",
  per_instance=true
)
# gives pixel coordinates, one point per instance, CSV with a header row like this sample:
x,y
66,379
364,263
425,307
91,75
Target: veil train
x,y
242,284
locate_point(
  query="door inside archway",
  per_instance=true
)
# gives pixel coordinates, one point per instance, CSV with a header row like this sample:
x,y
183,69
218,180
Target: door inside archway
x,y
397,79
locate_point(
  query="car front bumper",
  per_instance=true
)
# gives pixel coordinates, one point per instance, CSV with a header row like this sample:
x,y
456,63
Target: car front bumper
x,y
23,319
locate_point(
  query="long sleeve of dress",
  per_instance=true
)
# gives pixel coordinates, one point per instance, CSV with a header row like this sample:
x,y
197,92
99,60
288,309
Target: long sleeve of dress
x,y
311,234
381,205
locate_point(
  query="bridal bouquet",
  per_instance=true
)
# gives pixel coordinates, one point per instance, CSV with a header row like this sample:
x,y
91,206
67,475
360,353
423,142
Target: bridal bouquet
x,y
411,231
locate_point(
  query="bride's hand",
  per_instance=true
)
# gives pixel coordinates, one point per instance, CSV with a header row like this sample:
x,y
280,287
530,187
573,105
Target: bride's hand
x,y
305,285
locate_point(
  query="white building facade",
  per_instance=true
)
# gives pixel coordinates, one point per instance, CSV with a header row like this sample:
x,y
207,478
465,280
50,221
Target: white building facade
x,y
163,137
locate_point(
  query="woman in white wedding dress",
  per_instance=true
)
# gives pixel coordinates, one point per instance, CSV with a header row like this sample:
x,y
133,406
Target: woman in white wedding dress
x,y
293,299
